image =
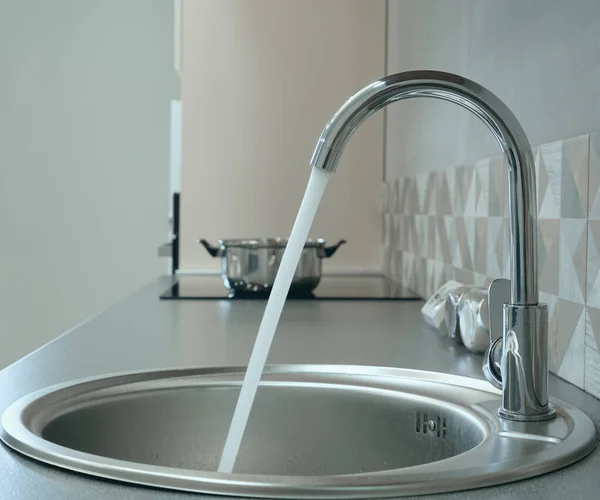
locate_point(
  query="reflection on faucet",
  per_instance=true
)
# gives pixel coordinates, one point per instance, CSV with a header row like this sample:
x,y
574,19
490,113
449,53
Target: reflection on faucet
x,y
525,391
512,367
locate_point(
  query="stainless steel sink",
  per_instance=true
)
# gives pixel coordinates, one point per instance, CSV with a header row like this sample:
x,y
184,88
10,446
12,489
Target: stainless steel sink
x,y
319,431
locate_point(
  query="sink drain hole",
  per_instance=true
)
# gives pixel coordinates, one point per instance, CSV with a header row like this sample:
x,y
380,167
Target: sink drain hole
x,y
436,426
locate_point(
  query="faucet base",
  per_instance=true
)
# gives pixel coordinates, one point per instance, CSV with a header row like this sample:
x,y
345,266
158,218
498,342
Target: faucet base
x,y
524,364
517,417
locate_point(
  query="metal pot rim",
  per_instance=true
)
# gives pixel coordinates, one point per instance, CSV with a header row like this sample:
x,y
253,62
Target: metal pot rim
x,y
267,243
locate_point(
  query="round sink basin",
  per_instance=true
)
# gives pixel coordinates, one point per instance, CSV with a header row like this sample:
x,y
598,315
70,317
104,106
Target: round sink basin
x,y
314,432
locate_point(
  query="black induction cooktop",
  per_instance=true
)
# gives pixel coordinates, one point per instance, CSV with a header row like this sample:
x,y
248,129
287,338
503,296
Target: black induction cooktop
x,y
331,287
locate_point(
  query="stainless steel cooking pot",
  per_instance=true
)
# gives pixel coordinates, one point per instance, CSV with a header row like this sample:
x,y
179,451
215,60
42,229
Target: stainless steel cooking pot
x,y
250,266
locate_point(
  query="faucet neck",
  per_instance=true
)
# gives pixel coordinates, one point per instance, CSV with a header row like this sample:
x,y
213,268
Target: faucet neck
x,y
500,121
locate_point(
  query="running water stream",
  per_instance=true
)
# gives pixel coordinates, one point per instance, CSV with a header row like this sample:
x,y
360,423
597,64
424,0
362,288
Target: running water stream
x,y
266,332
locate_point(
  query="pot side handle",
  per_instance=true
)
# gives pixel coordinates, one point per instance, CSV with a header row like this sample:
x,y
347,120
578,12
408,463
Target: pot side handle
x,y
213,251
329,251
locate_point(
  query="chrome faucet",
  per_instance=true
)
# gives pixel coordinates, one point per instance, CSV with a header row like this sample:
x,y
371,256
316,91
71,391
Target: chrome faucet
x,y
518,361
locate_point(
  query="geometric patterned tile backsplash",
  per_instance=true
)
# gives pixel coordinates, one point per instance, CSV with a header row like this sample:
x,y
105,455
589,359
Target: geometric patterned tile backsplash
x,y
453,224
592,316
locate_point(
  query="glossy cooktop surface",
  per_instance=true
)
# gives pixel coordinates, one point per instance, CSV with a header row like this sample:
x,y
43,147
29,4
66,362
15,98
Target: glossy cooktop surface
x,y
331,287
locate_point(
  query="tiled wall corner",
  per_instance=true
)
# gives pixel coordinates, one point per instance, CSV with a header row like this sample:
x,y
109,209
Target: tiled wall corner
x,y
454,224
592,313
562,172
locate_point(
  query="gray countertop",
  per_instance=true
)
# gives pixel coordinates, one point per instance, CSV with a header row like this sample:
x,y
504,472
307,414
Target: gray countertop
x,y
142,332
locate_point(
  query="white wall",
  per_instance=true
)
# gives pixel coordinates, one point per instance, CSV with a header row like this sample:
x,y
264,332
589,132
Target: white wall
x,y
259,81
85,89
541,57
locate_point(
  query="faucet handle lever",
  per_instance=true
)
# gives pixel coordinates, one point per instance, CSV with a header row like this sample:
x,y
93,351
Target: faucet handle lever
x,y
498,295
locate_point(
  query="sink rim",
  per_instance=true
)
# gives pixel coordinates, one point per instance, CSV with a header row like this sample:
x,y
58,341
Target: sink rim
x,y
15,433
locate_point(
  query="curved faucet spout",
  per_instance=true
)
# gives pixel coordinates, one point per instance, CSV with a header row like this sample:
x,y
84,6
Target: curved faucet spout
x,y
525,329
501,122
